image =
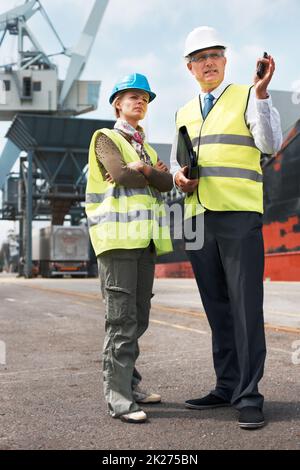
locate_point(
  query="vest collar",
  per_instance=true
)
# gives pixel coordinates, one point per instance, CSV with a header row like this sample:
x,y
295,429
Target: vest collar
x,y
217,92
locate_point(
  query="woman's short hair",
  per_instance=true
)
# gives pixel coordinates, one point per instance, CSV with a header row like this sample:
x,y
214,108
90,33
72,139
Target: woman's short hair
x,y
115,101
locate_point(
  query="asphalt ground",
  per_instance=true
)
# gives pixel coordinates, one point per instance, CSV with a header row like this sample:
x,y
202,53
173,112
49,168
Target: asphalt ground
x,y
51,383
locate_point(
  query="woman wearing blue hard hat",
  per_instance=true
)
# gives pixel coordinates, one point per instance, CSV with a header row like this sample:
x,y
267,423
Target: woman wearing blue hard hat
x,y
128,229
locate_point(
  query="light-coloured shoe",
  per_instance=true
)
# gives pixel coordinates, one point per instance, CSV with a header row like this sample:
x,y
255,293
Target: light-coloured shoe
x,y
135,417
141,396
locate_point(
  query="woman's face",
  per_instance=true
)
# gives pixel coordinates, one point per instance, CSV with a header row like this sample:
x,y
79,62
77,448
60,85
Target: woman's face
x,y
132,105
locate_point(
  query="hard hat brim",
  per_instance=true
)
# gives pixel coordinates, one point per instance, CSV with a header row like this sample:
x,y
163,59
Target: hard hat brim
x,y
150,93
215,46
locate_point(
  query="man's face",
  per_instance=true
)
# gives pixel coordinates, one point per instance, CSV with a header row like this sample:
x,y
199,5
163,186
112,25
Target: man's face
x,y
208,67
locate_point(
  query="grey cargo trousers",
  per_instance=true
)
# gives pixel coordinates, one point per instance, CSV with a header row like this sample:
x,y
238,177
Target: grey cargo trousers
x,y
128,280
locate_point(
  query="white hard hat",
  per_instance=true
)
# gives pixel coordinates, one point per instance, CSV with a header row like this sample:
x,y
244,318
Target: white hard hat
x,y
200,38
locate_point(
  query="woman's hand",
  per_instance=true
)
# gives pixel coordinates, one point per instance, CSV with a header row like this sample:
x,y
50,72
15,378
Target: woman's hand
x,y
141,167
128,171
137,166
108,178
161,166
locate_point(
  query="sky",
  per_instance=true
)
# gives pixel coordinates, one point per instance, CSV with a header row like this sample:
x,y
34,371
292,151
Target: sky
x,y
148,37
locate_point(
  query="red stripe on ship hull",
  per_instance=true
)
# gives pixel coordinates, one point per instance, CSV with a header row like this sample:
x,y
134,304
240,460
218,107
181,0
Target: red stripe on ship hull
x,y
278,267
282,266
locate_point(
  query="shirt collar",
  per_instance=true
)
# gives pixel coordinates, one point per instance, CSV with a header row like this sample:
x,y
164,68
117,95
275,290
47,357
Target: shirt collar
x,y
217,92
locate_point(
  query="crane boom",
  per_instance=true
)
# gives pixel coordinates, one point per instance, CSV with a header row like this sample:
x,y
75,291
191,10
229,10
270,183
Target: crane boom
x,y
81,52
25,11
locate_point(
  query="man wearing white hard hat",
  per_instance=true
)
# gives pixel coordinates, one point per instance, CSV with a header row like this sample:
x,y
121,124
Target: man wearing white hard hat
x,y
229,126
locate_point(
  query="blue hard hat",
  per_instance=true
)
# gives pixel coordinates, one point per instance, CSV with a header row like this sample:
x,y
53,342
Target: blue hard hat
x,y
134,81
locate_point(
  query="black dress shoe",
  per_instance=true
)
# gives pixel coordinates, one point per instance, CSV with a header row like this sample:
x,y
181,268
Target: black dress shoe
x,y
210,401
251,417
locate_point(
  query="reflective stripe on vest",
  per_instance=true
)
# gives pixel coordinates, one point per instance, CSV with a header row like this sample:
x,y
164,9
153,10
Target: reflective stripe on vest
x,y
116,192
227,172
126,217
227,139
229,162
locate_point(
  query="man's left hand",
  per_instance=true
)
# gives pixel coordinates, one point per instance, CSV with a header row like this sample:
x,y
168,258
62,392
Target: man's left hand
x,y
261,84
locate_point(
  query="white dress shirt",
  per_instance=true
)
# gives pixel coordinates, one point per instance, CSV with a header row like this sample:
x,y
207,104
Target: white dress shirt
x,y
263,121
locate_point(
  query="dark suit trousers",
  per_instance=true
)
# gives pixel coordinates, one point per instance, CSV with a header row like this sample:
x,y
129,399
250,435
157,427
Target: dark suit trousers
x,y
229,273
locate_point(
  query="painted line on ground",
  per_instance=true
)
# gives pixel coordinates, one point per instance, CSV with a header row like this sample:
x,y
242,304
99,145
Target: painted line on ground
x,y
280,350
179,327
269,326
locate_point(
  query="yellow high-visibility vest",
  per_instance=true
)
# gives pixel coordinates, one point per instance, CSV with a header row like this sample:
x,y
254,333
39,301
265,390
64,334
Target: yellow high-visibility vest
x,y
229,162
121,217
